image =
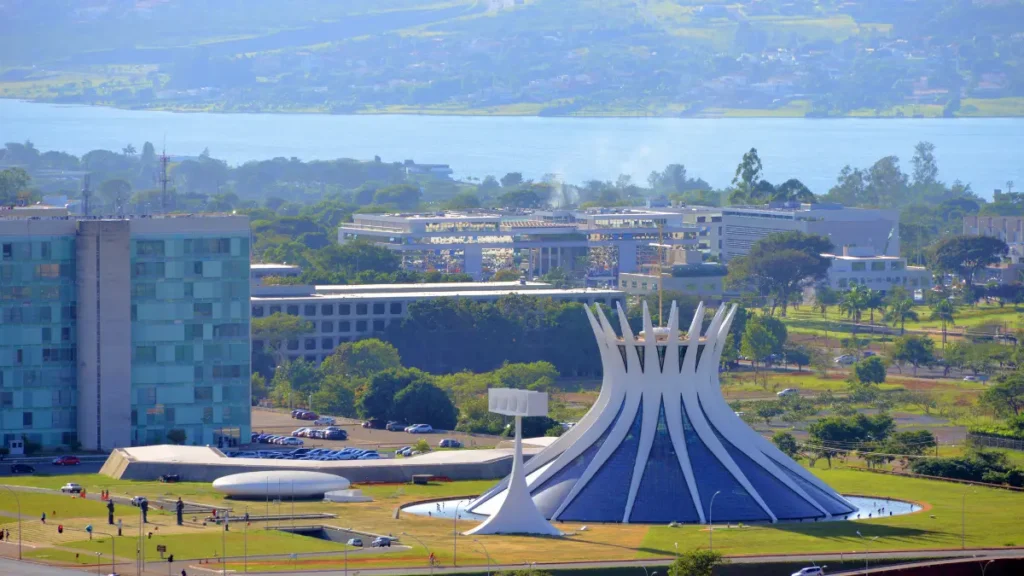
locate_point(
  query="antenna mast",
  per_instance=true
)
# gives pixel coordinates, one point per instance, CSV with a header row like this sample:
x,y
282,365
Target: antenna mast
x,y
661,281
163,180
86,193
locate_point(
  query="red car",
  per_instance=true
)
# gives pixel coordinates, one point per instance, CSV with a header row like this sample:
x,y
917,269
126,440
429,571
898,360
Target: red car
x,y
66,461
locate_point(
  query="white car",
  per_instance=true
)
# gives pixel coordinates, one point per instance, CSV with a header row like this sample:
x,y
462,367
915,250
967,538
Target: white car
x,y
71,488
420,429
810,571
291,442
324,420
788,392
845,360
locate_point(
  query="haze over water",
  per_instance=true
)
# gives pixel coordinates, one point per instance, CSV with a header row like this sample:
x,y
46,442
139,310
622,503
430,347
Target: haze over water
x,y
985,152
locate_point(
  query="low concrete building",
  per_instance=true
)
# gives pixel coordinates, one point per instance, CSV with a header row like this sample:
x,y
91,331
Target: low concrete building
x,y
1009,229
860,266
687,274
347,313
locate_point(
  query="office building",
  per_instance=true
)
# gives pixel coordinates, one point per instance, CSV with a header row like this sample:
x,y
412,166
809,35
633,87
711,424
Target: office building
x,y
683,271
599,243
860,266
874,228
116,331
1009,229
340,314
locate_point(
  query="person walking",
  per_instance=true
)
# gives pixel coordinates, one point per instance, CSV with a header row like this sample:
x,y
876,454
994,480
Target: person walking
x,y
179,508
144,505
110,512
43,518
118,526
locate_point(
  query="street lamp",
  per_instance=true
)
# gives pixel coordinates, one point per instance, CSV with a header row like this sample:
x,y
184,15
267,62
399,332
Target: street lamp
x,y
98,554
711,526
485,554
18,502
455,532
867,553
425,547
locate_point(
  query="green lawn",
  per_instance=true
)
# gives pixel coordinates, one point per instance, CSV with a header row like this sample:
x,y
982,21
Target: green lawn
x,y
96,482
56,506
809,320
208,545
56,556
993,520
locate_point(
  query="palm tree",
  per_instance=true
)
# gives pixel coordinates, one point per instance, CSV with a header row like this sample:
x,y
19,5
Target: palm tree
x,y
943,311
874,301
824,297
900,310
854,302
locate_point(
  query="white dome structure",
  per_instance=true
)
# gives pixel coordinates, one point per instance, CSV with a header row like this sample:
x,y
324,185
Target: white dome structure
x,y
279,484
660,443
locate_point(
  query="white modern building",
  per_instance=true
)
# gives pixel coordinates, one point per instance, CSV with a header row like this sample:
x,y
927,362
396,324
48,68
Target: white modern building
x,y
878,229
661,445
346,313
860,266
601,243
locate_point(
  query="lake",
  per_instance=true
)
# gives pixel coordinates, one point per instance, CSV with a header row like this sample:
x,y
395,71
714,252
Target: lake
x,y
986,152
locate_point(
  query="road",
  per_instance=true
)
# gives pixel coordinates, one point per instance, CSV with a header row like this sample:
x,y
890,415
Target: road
x,y
13,567
809,559
45,468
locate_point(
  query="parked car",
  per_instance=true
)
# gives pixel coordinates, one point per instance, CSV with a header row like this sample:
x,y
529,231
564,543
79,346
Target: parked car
x,y
394,426
292,442
308,416
375,423
449,443
788,392
138,500
66,461
22,469
336,435
324,420
845,359
810,571
381,542
420,429
355,542
169,478
71,488
971,379
295,413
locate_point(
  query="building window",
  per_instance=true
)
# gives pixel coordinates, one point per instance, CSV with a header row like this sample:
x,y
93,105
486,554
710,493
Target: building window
x,y
204,393
208,415
7,253
202,310
858,266
309,310
360,326
878,266
344,309
378,325
26,419
327,310
149,247
293,310
361,309
396,307
344,326
275,310
257,311
310,343
378,307
326,327
293,344
327,343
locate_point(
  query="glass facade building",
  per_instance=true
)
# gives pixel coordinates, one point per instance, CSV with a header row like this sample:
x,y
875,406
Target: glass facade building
x,y
144,317
37,339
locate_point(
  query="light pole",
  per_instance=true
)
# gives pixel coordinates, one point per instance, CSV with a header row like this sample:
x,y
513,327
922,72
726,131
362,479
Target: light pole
x,y
245,543
489,556
98,554
18,502
867,553
711,526
425,547
455,533
963,519
224,544
344,546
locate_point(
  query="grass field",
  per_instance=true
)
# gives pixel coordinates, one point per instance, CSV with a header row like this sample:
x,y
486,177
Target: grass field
x,y
993,519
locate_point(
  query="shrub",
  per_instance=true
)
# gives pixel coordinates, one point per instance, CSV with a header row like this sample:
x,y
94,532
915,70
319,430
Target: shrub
x,y
176,436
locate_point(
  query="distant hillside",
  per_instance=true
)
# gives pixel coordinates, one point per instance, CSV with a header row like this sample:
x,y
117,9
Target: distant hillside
x,y
546,57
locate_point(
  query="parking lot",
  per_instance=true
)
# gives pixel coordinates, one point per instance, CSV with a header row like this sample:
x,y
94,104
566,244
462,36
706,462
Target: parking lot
x,y
281,423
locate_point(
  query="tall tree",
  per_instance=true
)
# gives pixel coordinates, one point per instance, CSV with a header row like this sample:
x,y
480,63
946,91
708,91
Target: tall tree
x,y
825,296
944,311
900,310
275,331
1006,396
966,255
783,263
362,359
13,183
926,171
913,349
422,402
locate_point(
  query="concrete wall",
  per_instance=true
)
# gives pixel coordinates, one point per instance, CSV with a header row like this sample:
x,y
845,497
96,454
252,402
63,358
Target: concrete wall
x,y
104,334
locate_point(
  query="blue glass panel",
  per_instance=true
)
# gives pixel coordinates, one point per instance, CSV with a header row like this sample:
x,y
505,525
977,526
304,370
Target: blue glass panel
x,y
733,503
781,500
573,470
834,506
603,499
663,495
